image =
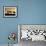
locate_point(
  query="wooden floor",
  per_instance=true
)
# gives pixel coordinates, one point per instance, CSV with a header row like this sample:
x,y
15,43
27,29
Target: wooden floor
x,y
30,43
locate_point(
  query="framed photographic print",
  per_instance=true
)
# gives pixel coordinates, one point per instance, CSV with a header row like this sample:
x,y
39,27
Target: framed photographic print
x,y
10,11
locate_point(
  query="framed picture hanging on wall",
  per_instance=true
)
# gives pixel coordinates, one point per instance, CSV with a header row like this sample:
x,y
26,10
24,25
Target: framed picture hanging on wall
x,y
10,11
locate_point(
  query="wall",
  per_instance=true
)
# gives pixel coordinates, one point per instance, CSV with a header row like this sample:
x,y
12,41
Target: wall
x,y
29,12
7,25
32,11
